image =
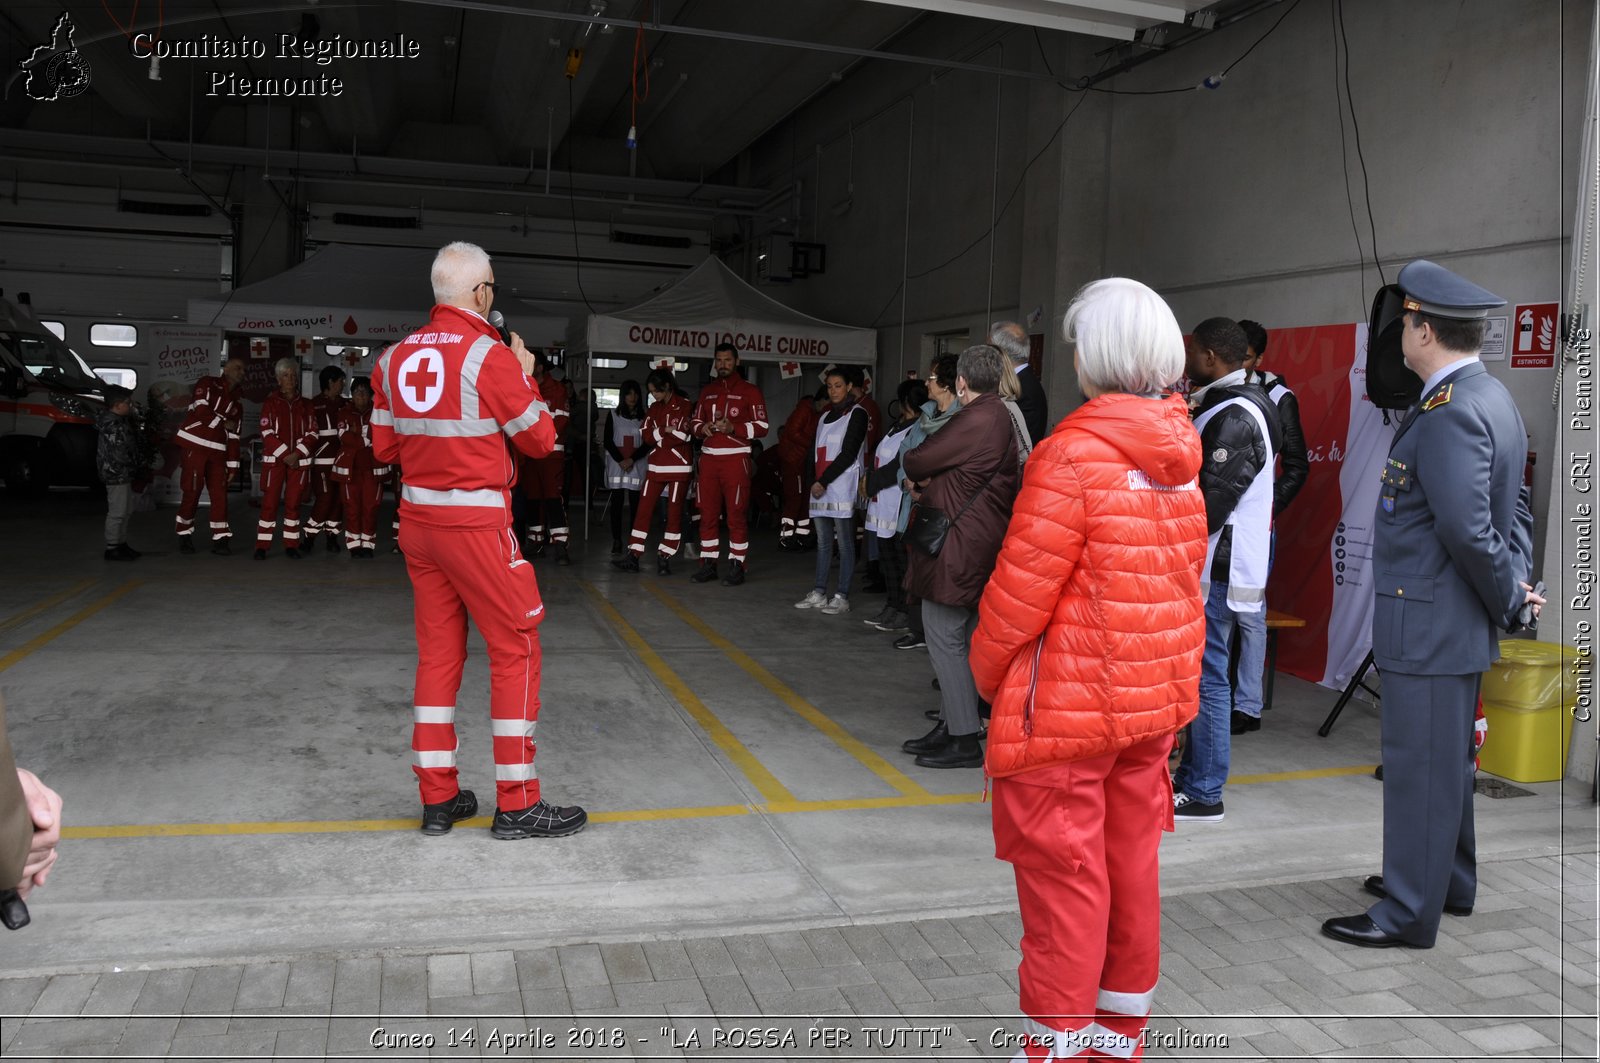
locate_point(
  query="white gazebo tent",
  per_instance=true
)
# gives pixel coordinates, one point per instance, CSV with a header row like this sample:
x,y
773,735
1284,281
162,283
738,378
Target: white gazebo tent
x,y
709,305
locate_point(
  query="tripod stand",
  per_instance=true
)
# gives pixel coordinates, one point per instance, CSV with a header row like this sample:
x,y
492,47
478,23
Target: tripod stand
x,y
1358,680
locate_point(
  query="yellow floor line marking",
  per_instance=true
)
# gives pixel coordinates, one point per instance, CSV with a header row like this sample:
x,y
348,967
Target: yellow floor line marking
x,y
786,694
54,600
788,806
766,784
66,625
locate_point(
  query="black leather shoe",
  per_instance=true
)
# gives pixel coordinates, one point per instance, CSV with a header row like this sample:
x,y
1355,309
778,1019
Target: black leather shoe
x,y
1374,886
663,567
707,573
185,544
931,742
260,555
292,552
626,563
113,554
128,552
561,555
962,751
616,546
438,819
735,574
1243,723
542,820
1361,930
332,543
221,548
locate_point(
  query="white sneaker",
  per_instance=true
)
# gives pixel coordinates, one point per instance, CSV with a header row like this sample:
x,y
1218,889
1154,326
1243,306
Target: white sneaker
x,y
836,605
814,600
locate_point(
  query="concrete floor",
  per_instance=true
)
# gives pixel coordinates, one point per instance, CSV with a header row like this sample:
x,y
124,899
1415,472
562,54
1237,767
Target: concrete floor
x,y
231,738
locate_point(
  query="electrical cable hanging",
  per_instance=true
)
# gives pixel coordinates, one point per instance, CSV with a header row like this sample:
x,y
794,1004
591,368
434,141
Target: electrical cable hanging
x,y
634,99
1355,126
572,206
1344,162
1211,81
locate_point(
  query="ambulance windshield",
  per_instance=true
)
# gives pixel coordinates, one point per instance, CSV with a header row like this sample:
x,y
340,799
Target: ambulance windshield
x,y
49,360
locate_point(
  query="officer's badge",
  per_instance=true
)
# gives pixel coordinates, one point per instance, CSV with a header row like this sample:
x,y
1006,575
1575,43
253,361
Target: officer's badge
x,y
1438,398
1219,455
1388,503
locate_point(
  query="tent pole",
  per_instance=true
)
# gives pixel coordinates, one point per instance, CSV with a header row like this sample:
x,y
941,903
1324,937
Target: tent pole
x,y
588,466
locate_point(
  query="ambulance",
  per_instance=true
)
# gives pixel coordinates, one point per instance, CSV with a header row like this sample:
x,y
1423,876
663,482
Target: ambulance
x,y
48,401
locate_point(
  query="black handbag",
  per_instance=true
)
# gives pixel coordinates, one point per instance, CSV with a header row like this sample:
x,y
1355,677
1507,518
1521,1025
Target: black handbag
x,y
929,526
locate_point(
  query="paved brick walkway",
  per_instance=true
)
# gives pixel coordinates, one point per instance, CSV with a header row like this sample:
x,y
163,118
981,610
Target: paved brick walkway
x,y
1245,976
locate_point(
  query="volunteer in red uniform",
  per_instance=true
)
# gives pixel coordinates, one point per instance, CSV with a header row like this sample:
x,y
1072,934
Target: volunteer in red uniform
x,y
325,510
666,433
544,479
1089,639
210,441
730,414
357,473
794,446
445,400
288,440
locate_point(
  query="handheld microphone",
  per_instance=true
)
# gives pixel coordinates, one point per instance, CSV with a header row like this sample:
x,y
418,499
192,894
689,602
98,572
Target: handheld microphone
x,y
499,322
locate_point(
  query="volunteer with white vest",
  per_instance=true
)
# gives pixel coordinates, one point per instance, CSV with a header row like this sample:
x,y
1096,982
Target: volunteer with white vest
x,y
625,451
835,483
1239,441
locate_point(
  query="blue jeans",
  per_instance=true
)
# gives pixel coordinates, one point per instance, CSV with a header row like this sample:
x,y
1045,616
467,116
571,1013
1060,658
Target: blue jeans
x,y
1253,651
1204,767
826,529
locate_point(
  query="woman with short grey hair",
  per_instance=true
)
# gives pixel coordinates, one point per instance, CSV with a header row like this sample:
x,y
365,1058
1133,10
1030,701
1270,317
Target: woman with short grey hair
x,y
965,479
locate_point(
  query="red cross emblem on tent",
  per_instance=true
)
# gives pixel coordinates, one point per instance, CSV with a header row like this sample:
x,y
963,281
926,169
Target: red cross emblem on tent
x,y
789,370
302,346
258,347
664,363
352,357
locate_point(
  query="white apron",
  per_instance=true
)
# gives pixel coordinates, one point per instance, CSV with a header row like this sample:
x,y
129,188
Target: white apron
x,y
1251,521
627,436
883,508
839,497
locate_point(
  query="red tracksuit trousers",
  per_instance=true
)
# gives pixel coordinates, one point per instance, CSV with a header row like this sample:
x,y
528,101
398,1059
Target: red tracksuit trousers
x,y
361,494
1082,839
796,518
676,493
280,482
481,573
208,469
327,509
724,486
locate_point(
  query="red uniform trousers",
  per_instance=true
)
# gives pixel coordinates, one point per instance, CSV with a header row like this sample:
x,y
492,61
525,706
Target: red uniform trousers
x,y
796,517
676,493
281,482
476,571
1082,839
362,492
542,480
207,468
724,485
327,510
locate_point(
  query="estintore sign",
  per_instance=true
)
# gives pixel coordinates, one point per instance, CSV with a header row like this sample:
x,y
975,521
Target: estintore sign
x,y
1533,336
420,381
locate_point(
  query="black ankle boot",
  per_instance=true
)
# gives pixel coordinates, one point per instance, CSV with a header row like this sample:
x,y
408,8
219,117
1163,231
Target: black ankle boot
x,y
707,572
931,742
963,751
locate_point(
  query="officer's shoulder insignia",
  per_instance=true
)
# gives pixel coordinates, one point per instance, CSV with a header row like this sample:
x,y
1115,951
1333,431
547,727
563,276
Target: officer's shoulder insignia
x,y
1438,398
1220,454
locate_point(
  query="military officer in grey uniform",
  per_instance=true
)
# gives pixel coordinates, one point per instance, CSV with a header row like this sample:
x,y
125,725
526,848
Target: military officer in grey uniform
x,y
1451,559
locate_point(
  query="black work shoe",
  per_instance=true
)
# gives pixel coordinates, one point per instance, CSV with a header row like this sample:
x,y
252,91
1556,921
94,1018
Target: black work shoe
x,y
561,555
1374,886
292,552
735,574
113,554
707,573
185,544
438,819
911,641
261,555
626,563
221,548
931,742
962,751
536,549
332,544
1243,723
663,567
128,552
616,546
542,820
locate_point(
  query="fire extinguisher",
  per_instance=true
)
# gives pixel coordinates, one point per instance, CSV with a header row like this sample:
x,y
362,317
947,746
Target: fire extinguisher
x,y
1527,470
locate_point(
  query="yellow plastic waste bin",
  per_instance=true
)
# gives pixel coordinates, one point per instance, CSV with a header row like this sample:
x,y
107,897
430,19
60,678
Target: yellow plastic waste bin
x,y
1530,728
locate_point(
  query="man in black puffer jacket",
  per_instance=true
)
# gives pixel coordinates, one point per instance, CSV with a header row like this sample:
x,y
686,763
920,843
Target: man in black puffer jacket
x,y
1239,443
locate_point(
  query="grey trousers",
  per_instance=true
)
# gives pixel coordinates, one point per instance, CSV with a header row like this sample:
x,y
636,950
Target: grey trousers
x,y
948,629
1429,847
119,504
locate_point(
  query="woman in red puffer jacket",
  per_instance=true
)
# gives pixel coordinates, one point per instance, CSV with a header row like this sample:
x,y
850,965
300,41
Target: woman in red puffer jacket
x,y
1089,639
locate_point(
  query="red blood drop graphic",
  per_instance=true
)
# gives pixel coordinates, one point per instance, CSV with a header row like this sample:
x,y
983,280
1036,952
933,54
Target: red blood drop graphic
x,y
349,326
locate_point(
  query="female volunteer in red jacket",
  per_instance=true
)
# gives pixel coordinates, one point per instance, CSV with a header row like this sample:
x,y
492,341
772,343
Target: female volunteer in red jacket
x,y
1088,644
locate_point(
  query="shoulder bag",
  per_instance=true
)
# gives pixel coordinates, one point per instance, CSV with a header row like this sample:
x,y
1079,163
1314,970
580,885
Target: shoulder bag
x,y
929,525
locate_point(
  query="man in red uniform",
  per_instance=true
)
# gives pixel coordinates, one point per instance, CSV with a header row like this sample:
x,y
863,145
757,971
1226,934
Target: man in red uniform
x,y
210,441
666,432
794,444
441,401
544,479
328,404
357,472
730,414
288,439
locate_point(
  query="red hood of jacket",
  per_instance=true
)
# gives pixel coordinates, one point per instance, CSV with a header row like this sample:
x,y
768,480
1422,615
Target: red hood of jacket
x,y
1162,446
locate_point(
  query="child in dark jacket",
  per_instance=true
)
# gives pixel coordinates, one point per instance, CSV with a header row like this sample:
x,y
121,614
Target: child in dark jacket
x,y
116,457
